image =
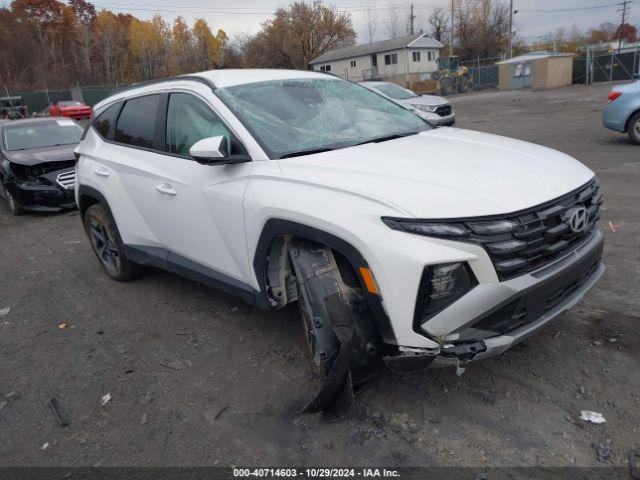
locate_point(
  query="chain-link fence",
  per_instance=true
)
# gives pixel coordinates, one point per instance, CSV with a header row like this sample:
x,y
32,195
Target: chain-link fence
x,y
484,77
614,67
611,66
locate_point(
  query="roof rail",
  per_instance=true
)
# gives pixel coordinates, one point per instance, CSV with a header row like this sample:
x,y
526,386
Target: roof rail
x,y
194,78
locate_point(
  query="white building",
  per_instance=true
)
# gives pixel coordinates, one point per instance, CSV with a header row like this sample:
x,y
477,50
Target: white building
x,y
388,59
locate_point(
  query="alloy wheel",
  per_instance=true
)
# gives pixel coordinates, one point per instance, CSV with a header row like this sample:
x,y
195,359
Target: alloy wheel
x,y
105,246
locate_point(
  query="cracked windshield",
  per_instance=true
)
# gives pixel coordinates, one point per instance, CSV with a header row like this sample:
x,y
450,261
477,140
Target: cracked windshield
x,y
299,117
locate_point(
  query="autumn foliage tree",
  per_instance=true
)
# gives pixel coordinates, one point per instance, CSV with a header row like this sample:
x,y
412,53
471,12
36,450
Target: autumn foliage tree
x,y
298,34
51,44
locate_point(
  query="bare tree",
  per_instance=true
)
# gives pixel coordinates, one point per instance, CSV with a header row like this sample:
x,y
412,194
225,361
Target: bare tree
x,y
438,21
372,23
392,22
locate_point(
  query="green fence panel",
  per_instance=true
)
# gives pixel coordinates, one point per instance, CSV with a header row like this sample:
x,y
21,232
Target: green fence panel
x,y
579,70
615,67
39,101
484,77
92,96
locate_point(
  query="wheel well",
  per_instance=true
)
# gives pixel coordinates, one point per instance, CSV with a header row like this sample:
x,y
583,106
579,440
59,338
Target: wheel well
x,y
626,125
85,202
348,258
88,196
279,279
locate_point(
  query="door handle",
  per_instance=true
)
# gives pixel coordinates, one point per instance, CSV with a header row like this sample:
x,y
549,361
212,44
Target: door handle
x,y
166,189
102,172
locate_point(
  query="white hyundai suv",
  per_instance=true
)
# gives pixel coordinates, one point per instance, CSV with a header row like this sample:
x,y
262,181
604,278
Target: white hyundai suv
x,y
405,246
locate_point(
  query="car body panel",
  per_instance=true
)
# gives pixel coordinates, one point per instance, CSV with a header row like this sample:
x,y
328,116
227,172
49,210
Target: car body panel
x,y
617,113
36,156
445,173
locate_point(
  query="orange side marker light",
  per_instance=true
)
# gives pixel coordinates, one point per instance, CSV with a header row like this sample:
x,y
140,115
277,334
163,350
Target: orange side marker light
x,y
369,282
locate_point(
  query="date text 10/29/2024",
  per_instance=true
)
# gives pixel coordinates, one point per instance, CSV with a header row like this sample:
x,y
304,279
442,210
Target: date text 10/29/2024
x,y
316,472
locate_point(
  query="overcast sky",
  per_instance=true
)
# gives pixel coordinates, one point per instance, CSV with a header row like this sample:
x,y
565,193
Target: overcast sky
x,y
245,16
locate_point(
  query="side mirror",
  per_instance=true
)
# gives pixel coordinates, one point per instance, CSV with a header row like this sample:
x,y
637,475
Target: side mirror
x,y
215,151
210,148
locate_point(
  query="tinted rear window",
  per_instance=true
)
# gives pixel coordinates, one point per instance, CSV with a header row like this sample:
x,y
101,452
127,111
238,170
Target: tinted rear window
x,y
136,123
107,119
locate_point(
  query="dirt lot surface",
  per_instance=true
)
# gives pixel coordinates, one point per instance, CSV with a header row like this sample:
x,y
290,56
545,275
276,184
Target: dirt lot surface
x,y
196,377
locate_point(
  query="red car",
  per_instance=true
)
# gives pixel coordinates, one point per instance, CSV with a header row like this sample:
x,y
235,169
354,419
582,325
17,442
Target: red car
x,y
72,109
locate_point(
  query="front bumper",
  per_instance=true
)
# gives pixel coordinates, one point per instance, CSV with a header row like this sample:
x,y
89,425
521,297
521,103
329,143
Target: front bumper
x,y
543,294
448,121
43,198
436,120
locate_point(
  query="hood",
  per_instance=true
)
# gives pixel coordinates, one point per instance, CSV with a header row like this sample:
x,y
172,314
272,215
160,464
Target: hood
x,y
427,100
35,156
445,173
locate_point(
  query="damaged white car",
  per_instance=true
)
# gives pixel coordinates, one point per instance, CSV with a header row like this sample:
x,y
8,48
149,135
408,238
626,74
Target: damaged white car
x,y
405,246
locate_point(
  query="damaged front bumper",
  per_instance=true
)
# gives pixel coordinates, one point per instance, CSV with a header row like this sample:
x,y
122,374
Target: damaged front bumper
x,y
53,194
517,307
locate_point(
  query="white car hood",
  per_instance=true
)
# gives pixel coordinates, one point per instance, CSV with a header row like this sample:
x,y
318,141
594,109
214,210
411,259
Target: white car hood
x,y
428,100
445,173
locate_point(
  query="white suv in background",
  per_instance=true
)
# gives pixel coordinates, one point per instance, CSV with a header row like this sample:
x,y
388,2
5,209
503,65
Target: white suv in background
x,y
404,245
435,110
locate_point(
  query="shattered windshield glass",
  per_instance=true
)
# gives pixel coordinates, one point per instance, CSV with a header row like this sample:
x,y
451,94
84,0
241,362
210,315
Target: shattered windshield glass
x,y
302,116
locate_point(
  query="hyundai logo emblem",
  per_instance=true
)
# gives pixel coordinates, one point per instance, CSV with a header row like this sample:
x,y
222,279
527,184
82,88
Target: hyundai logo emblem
x,y
577,219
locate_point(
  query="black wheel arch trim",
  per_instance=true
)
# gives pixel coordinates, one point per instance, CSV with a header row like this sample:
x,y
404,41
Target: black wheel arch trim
x,y
85,192
276,227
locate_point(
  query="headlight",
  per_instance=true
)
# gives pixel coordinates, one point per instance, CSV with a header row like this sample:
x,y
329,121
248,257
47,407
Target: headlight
x,y
453,230
441,285
427,108
428,229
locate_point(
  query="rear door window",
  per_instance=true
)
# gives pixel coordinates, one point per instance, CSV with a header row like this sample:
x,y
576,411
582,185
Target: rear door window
x,y
107,119
137,121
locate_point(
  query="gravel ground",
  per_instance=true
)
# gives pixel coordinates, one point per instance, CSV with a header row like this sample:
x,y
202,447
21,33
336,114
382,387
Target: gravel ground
x,y
196,377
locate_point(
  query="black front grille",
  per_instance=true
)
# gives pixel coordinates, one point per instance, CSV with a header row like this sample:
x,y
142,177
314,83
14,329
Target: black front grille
x,y
543,234
443,110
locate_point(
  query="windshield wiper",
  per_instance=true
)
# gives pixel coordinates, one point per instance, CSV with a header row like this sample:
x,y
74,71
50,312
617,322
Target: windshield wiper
x,y
311,151
387,137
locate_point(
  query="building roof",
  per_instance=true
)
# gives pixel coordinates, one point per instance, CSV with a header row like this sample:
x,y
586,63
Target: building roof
x,y
534,56
417,40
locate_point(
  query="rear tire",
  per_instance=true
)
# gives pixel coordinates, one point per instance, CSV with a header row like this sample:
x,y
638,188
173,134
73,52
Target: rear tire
x,y
107,244
634,128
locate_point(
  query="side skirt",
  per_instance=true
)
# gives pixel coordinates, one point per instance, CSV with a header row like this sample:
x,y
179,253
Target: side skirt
x,y
171,262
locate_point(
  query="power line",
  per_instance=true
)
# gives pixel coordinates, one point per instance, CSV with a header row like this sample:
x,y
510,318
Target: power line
x,y
552,10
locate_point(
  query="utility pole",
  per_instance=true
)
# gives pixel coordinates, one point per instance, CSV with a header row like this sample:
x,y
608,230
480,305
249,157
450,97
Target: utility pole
x,y
451,36
511,29
412,18
624,16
